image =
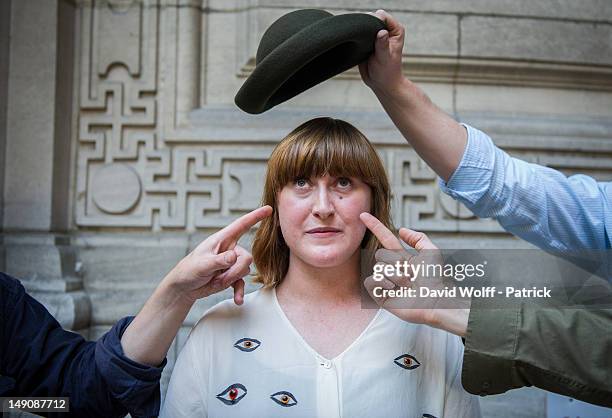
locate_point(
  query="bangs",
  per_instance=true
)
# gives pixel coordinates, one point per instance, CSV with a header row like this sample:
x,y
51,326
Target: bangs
x,y
335,148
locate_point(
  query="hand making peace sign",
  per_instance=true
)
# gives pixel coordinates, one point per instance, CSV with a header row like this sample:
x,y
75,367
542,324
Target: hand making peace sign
x,y
416,310
218,262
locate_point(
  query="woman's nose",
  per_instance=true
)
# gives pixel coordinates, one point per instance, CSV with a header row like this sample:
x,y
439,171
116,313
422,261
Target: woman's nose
x,y
323,206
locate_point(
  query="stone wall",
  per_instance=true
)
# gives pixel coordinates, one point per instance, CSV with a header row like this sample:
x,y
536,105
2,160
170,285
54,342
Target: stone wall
x,y
121,148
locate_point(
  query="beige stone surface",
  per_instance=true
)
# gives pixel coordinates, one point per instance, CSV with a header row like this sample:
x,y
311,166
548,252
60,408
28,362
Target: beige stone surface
x,y
535,101
595,10
30,116
121,271
5,24
533,39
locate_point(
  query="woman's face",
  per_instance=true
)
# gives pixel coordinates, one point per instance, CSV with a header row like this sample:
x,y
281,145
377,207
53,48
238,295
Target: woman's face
x,y
319,218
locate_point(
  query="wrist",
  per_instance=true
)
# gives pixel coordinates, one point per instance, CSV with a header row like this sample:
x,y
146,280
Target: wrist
x,y
454,321
400,89
171,294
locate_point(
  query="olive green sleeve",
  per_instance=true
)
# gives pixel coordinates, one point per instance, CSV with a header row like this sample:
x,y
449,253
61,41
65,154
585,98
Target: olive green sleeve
x,y
562,350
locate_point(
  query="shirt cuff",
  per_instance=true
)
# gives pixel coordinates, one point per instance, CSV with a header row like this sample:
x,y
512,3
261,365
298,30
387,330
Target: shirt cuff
x,y
134,385
472,178
490,344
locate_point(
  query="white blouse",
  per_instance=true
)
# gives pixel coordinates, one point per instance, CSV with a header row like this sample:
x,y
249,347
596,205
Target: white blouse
x,y
249,361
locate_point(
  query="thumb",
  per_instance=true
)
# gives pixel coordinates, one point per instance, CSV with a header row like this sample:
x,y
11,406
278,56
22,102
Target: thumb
x,y
416,240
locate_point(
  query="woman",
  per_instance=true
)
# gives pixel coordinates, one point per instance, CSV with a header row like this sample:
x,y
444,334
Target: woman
x,y
303,345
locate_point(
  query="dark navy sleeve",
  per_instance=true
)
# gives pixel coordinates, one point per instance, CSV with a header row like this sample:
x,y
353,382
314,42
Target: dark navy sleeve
x,y
39,358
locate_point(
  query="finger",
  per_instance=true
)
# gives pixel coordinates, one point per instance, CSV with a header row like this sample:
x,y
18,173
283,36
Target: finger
x,y
212,287
232,233
208,265
240,268
416,240
399,276
385,283
393,26
370,284
380,231
238,286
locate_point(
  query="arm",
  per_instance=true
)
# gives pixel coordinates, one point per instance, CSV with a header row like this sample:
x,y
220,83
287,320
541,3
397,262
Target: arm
x,y
561,349
43,359
119,373
435,136
536,203
565,351
214,265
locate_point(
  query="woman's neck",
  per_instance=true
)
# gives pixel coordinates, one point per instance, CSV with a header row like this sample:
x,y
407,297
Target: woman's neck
x,y
306,282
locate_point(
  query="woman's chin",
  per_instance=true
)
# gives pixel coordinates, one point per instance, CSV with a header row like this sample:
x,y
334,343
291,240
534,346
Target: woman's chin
x,y
327,259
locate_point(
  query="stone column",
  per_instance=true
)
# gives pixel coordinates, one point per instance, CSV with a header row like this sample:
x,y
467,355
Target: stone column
x,y
37,153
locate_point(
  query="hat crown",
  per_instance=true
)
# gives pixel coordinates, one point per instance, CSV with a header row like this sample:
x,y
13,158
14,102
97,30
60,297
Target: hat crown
x,y
285,27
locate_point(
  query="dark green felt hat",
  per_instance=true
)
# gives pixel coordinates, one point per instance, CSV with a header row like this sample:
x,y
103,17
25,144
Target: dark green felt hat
x,y
302,49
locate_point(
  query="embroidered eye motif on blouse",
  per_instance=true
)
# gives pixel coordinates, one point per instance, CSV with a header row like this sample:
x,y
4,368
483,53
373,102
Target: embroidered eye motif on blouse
x,y
232,394
284,398
407,361
428,416
247,344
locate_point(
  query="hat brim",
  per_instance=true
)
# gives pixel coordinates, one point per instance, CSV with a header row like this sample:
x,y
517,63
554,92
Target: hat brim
x,y
312,55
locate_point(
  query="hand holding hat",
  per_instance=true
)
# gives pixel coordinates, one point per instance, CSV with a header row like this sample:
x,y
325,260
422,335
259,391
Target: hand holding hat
x,y
383,69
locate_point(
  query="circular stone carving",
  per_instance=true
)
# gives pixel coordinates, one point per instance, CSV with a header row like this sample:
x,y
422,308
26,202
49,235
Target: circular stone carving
x,y
115,188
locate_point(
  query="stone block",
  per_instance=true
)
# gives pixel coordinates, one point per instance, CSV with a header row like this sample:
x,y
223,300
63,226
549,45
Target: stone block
x,y
71,309
30,115
430,34
518,101
534,39
120,272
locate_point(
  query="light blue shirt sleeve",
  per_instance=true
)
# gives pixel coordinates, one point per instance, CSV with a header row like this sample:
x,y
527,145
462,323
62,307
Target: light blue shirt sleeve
x,y
539,204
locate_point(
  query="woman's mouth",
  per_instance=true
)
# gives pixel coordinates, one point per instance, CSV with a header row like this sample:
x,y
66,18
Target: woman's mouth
x,y
323,232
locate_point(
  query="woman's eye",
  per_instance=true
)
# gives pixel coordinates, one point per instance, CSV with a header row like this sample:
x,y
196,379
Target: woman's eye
x,y
232,394
247,344
284,398
344,182
407,361
301,182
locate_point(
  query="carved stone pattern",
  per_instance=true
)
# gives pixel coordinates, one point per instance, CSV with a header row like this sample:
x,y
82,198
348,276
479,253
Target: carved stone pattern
x,y
127,175
134,171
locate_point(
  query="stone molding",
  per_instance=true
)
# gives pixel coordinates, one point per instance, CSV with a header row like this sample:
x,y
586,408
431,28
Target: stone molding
x,y
493,72
49,269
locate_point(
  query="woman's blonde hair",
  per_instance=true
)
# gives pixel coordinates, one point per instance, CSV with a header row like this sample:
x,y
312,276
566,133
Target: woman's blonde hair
x,y
315,148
